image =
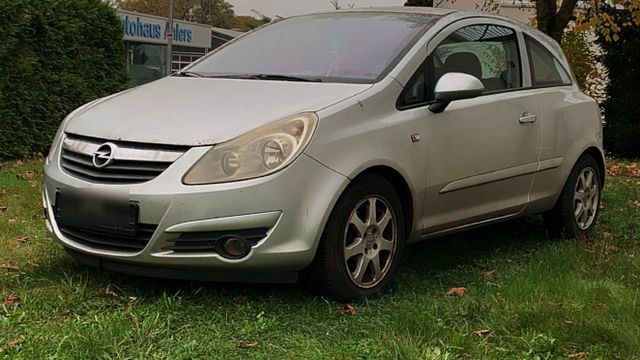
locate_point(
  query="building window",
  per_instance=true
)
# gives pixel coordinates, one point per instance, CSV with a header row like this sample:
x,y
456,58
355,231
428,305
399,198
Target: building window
x,y
146,62
181,59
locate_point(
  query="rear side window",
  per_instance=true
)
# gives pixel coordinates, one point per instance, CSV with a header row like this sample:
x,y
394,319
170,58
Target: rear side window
x,y
546,70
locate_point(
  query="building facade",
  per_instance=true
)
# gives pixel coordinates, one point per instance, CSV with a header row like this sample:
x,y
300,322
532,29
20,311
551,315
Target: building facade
x,y
145,39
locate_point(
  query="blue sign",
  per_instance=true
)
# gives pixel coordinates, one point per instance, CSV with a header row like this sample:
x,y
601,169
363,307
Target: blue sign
x,y
139,28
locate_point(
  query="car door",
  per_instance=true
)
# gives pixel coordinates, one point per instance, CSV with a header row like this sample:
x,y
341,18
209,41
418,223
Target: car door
x,y
482,153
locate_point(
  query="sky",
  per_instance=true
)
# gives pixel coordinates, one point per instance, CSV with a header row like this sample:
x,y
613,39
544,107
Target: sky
x,y
285,8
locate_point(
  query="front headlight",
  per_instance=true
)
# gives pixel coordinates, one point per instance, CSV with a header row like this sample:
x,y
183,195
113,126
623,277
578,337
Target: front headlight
x,y
257,153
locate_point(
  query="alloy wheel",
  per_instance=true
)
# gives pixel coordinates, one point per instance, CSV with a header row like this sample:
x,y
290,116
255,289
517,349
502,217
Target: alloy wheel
x,y
370,240
586,198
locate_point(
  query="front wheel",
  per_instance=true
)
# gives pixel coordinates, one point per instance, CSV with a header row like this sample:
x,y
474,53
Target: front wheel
x,y
361,245
578,206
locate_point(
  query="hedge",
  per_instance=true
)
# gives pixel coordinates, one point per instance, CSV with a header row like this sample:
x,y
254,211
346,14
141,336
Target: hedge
x,y
622,103
55,55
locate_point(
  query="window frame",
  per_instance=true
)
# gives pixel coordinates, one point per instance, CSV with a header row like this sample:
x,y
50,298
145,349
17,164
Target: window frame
x,y
452,28
527,40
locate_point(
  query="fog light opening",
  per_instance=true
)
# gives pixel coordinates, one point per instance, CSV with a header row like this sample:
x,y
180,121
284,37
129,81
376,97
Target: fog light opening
x,y
235,248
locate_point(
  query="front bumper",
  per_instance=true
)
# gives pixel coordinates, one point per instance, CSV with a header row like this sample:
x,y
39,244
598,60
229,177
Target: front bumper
x,y
293,204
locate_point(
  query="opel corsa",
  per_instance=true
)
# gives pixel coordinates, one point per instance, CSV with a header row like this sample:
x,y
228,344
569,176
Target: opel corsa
x,y
321,145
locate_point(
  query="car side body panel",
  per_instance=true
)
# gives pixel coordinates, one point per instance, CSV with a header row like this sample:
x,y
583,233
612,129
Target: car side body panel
x,y
568,124
572,125
366,131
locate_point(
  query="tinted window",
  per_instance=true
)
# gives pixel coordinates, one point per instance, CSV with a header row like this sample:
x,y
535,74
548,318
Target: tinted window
x,y
546,70
355,47
488,52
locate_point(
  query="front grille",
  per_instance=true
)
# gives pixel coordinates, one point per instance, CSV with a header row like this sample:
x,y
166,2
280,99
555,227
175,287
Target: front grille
x,y
103,241
131,163
209,242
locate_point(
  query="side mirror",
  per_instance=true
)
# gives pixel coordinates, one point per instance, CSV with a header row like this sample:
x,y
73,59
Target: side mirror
x,y
455,86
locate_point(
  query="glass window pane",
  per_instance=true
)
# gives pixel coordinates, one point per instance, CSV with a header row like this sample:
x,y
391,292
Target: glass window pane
x,y
546,70
334,47
146,62
488,52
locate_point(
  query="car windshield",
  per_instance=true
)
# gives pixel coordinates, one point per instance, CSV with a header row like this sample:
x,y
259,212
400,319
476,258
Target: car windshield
x,y
340,47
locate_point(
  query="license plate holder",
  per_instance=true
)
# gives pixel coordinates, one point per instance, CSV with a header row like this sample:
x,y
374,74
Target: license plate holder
x,y
97,212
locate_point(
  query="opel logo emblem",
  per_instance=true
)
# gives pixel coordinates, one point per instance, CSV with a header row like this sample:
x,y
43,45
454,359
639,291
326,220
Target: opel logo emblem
x,y
104,155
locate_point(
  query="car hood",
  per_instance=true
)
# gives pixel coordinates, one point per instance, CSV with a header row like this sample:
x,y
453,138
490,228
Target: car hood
x,y
202,111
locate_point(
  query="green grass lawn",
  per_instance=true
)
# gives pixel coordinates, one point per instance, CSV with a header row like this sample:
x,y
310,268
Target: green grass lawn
x,y
527,297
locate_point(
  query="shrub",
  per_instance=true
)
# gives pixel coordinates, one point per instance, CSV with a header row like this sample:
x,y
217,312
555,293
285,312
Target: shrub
x,y
55,55
582,56
622,113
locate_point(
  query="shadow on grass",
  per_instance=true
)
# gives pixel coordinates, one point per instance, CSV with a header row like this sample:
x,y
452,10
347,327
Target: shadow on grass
x,y
423,260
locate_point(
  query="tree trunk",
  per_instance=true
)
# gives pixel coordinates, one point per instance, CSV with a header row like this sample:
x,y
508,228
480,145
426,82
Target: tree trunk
x,y
551,20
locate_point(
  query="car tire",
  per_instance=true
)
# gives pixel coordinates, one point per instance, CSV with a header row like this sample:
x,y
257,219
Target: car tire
x,y
577,208
360,249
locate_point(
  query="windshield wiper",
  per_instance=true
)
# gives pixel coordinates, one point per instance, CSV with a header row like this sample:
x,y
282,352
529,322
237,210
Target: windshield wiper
x,y
266,77
188,73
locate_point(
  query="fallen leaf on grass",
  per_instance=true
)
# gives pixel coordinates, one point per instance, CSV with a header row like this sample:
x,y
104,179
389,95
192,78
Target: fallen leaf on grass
x,y
15,342
457,291
347,309
11,221
11,300
246,344
3,208
23,238
555,304
12,245
6,266
482,332
110,291
606,235
635,204
489,275
568,322
25,175
629,170
578,355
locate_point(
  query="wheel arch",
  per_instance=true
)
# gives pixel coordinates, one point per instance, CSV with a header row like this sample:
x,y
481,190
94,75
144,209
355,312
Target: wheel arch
x,y
401,186
599,157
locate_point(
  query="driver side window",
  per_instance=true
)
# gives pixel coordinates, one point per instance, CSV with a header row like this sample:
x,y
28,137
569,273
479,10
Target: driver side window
x,y
488,52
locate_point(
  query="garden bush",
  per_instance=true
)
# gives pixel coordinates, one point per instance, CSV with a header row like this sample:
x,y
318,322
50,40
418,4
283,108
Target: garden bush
x,y
55,55
582,56
622,103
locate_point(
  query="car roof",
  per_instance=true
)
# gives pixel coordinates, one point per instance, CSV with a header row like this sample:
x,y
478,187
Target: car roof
x,y
403,10
421,10
451,15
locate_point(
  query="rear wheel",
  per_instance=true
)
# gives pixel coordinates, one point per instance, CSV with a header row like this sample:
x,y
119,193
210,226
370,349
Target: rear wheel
x,y
578,206
362,242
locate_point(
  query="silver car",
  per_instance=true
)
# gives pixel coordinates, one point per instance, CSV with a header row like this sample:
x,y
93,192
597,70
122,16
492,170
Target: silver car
x,y
320,145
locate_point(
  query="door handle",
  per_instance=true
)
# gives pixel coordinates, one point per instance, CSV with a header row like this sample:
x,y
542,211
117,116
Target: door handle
x,y
527,118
